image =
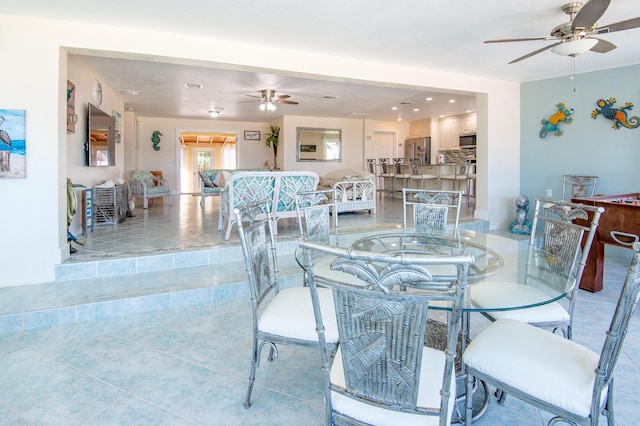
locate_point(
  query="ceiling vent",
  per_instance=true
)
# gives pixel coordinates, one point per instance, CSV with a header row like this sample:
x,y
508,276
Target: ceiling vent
x,y
194,85
130,92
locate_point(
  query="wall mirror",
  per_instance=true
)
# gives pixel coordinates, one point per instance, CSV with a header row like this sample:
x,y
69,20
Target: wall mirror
x,y
100,147
318,144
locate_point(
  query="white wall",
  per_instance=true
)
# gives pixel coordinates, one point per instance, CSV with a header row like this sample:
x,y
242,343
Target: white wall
x,y
35,81
352,147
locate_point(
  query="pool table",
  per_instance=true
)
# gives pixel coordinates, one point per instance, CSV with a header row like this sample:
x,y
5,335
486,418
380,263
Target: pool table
x,y
619,226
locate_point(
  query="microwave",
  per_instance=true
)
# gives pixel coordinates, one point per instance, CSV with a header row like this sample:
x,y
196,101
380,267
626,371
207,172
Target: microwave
x,y
468,141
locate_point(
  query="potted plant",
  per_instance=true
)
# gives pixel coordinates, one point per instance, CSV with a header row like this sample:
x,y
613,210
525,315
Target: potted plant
x,y
272,141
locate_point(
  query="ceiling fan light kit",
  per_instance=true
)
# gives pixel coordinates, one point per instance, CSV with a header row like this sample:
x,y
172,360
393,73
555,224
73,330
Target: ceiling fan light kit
x,y
214,113
575,37
574,47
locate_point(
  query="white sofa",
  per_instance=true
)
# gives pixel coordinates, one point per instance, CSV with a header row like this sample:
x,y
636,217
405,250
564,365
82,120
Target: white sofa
x,y
279,187
355,189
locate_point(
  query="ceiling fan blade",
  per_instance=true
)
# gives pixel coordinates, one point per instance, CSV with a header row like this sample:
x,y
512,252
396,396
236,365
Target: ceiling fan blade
x,y
589,14
508,40
280,101
603,46
535,52
619,26
278,97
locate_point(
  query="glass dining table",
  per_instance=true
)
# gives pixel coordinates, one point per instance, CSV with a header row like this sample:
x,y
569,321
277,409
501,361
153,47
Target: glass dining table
x,y
506,274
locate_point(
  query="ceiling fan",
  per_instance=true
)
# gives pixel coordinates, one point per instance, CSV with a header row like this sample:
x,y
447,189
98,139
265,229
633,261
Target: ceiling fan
x,y
268,99
575,37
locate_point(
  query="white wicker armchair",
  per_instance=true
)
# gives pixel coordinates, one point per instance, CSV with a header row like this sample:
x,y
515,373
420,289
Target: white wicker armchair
x,y
145,185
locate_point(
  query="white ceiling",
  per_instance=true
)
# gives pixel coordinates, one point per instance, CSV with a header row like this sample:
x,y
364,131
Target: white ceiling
x,y
444,36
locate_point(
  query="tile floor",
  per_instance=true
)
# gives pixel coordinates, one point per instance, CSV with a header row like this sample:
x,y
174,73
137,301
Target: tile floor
x,y
187,226
189,364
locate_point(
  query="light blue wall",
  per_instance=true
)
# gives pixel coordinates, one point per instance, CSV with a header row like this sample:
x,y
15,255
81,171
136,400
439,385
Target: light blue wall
x,y
588,146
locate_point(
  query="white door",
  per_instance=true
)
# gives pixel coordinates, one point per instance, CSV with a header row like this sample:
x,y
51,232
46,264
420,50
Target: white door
x,y
203,159
384,144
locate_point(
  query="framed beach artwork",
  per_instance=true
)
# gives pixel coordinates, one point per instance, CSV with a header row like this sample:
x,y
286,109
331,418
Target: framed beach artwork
x,y
13,151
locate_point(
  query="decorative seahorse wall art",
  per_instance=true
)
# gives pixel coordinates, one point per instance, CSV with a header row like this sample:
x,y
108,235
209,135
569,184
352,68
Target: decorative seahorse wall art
x,y
563,114
617,115
155,138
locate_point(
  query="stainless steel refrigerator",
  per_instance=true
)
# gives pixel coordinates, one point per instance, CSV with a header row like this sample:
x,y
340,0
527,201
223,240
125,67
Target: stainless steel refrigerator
x,y
418,148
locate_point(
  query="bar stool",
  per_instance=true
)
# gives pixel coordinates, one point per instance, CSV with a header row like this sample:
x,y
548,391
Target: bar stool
x,y
418,173
401,173
471,182
386,171
457,178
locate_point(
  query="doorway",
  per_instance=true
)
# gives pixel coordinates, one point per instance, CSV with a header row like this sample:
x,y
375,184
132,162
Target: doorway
x,y
201,151
384,144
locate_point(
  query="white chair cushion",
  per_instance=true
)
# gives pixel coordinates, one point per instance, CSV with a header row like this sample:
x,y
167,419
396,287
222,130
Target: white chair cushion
x,y
431,372
290,313
537,362
496,294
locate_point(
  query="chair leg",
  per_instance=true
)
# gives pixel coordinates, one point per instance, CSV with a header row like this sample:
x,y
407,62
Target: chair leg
x,y
468,416
252,373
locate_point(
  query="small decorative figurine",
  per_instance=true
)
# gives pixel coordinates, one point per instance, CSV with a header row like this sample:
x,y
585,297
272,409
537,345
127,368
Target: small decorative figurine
x,y
617,115
551,125
155,138
521,225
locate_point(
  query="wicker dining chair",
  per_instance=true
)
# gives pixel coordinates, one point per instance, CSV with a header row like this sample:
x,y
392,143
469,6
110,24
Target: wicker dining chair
x,y
383,374
576,186
431,209
315,210
280,315
557,375
568,244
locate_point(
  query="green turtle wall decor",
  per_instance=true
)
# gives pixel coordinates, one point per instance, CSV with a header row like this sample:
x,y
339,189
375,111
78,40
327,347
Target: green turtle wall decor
x,y
617,115
155,138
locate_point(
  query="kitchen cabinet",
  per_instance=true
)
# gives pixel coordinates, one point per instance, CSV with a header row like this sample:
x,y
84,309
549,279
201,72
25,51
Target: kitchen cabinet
x,y
450,129
420,128
468,124
448,133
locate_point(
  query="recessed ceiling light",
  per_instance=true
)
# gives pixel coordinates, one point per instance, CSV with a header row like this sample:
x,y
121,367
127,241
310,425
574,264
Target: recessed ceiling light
x,y
452,101
394,108
442,116
399,119
429,98
416,109
193,85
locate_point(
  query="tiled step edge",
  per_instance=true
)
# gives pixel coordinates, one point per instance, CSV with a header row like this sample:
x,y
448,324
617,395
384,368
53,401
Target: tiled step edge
x,y
157,262
94,311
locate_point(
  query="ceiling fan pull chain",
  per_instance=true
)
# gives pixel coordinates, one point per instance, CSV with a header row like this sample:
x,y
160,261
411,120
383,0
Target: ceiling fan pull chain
x,y
572,76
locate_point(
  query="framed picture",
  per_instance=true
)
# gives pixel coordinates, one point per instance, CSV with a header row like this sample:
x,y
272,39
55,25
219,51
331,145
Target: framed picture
x,y
118,118
307,148
72,117
13,151
251,135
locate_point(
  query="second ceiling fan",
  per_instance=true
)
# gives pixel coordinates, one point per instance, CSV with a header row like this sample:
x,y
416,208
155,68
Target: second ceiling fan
x,y
576,36
268,99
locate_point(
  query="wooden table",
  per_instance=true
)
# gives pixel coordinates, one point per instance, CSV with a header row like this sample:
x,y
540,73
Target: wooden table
x,y
619,226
